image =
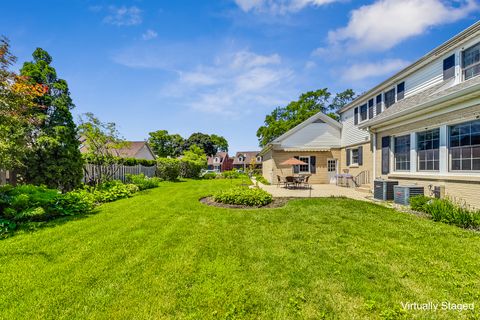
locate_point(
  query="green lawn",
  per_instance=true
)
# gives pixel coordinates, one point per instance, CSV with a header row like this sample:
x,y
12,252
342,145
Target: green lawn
x,y
162,254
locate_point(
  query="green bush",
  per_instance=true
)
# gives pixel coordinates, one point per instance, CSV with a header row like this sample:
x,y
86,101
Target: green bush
x,y
261,179
6,227
233,174
168,169
190,169
448,211
143,182
37,203
418,203
113,190
209,175
244,196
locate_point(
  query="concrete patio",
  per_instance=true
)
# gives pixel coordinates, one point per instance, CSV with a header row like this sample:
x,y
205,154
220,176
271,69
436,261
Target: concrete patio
x,y
316,191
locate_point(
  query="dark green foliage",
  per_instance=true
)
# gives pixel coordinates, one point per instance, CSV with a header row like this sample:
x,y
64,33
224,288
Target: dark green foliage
x,y
164,144
89,158
244,196
112,191
33,203
310,103
143,182
168,169
6,227
447,211
54,159
203,141
209,175
418,203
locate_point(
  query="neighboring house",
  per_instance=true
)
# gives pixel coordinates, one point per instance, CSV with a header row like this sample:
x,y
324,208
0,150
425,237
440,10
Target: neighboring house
x,y
220,162
420,126
244,159
132,149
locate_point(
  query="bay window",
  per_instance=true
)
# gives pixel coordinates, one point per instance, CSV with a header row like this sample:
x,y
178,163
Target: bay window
x,y
402,153
465,146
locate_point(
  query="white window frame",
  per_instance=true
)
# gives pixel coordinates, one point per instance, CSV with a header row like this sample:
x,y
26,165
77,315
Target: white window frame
x,y
394,151
417,150
259,159
352,163
462,60
305,159
449,150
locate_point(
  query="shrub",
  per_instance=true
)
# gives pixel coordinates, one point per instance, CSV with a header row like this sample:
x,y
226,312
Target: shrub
x,y
261,179
113,190
74,203
209,175
418,203
168,169
233,174
447,211
244,196
190,169
6,228
143,182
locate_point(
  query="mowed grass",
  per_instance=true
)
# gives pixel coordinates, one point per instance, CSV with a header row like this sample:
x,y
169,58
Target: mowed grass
x,y
162,254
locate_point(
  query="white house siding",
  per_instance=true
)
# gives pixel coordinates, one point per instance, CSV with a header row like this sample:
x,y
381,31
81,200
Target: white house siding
x,y
426,77
351,134
314,135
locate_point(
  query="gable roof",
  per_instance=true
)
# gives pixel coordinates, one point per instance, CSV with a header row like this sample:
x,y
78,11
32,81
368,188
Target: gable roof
x,y
318,116
444,48
131,149
421,101
221,155
248,155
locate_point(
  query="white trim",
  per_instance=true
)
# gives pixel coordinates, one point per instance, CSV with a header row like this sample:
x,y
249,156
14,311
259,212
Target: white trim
x,y
308,161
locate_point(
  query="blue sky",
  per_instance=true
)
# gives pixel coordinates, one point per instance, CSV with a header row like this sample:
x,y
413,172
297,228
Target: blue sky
x,y
220,66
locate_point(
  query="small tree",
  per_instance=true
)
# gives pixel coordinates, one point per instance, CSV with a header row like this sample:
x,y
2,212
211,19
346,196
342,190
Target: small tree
x,y
102,143
192,162
168,169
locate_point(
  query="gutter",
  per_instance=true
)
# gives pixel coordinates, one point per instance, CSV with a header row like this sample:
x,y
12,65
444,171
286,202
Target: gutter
x,y
412,112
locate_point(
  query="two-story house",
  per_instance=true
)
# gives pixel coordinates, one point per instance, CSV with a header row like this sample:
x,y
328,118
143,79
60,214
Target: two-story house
x,y
422,126
220,162
246,159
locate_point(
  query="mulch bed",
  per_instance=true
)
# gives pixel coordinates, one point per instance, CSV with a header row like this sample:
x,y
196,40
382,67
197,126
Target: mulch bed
x,y
276,203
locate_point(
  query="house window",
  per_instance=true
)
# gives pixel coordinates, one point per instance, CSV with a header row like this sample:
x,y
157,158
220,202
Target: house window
x,y
389,98
465,146
449,67
354,156
332,165
304,168
259,159
370,109
402,153
471,62
428,145
400,91
363,112
379,104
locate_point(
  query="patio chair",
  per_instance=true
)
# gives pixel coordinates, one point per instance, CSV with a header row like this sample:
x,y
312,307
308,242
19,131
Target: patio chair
x,y
306,185
289,181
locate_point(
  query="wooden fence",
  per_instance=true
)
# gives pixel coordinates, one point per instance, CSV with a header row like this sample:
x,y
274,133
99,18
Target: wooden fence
x,y
116,171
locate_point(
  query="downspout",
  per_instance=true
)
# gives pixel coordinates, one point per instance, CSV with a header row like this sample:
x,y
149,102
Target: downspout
x,y
374,173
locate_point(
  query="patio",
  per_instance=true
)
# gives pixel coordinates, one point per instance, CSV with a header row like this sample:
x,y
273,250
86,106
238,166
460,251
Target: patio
x,y
316,191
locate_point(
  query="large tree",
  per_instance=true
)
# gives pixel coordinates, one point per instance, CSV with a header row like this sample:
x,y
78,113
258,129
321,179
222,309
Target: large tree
x,y
17,113
164,144
220,142
203,141
54,159
285,118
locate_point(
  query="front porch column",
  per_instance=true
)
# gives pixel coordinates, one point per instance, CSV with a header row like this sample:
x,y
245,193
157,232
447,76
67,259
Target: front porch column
x,y
443,152
413,152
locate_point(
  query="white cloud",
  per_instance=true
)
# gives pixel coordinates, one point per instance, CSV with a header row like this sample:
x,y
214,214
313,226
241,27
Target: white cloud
x,y
279,6
123,16
361,71
385,23
234,84
149,34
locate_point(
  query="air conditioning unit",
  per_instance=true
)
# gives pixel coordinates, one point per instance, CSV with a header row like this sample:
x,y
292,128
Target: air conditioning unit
x,y
383,189
402,194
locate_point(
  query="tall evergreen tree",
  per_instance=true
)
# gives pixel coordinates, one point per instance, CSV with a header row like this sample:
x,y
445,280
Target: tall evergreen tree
x,y
54,158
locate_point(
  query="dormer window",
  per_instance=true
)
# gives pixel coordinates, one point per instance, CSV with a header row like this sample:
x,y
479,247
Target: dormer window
x,y
471,62
363,112
370,109
389,98
379,103
259,159
217,160
240,159
400,91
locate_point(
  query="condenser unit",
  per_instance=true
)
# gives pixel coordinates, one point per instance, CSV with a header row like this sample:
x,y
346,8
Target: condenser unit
x,y
402,194
383,189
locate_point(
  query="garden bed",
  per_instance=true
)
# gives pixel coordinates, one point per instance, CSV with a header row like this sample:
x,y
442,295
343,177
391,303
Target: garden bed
x,y
276,203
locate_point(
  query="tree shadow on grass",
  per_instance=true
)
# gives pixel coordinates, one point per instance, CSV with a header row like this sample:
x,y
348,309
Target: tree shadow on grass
x,y
34,226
